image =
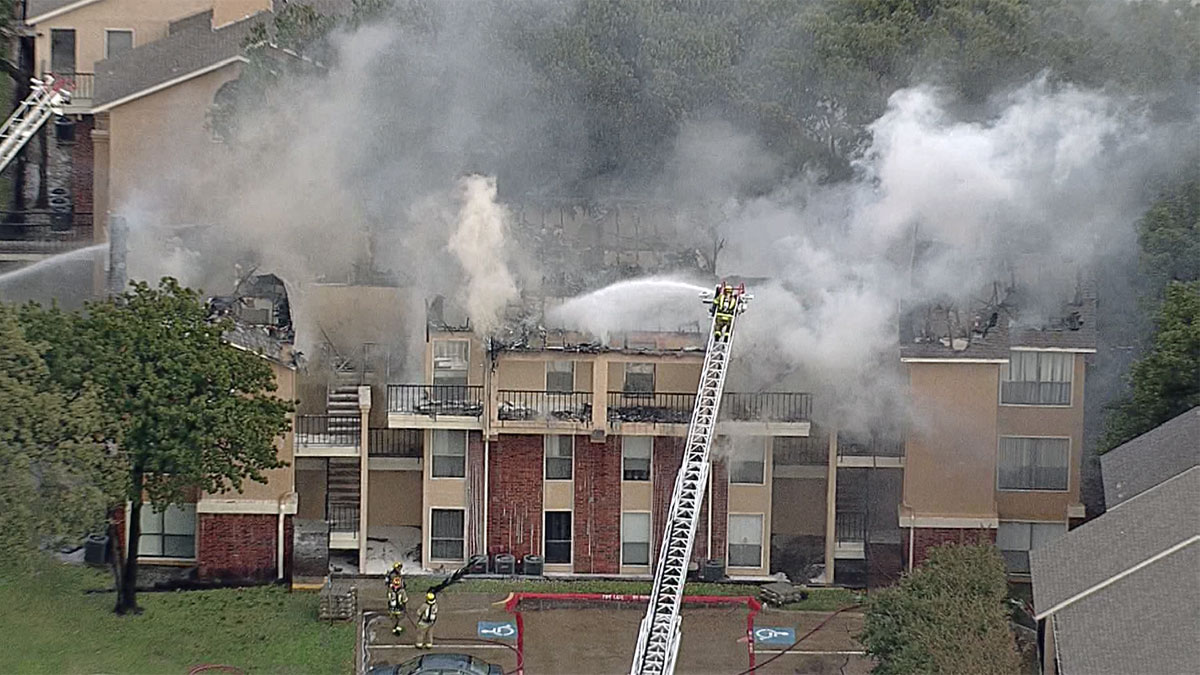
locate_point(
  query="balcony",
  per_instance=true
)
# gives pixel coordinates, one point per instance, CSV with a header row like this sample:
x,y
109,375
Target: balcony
x,y
870,451
850,530
38,234
407,443
801,451
343,526
435,406
327,435
82,90
649,408
786,412
766,407
569,410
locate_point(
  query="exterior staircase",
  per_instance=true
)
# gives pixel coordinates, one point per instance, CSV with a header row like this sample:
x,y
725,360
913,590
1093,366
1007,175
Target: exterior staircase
x,y
341,403
342,494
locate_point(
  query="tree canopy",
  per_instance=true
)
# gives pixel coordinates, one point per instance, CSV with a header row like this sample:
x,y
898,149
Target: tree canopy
x,y
947,616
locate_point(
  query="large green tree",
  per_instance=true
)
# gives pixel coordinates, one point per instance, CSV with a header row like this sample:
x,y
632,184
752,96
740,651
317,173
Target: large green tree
x,y
1166,381
1170,236
186,410
55,473
947,616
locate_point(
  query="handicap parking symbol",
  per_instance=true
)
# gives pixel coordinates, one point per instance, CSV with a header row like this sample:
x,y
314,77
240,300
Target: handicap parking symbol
x,y
497,630
767,635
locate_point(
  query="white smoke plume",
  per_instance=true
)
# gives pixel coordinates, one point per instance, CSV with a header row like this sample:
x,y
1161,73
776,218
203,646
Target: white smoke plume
x,y
479,244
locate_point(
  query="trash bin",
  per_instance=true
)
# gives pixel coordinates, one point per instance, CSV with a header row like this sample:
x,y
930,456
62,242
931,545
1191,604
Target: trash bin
x,y
64,130
533,565
95,549
60,219
713,570
504,563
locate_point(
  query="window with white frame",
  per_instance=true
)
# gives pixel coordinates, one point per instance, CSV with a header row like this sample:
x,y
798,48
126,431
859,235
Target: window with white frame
x,y
635,457
748,460
635,538
170,533
449,454
745,540
450,361
558,537
1037,378
560,377
639,379
117,42
559,457
445,534
1033,463
1016,539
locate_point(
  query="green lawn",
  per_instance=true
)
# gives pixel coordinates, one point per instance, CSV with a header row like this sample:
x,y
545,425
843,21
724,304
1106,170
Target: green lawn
x,y
50,625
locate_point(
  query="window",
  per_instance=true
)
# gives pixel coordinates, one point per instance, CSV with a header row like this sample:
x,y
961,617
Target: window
x,y
62,50
558,457
1033,463
449,454
170,533
745,540
117,42
639,379
747,461
445,534
560,376
450,359
1037,378
558,537
1015,541
635,538
635,457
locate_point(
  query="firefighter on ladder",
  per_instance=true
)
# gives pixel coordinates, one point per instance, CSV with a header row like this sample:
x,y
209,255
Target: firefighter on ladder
x,y
397,597
426,617
724,304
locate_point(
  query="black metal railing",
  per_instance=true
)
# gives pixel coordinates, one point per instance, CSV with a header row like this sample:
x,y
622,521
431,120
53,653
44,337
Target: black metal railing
x,y
800,450
317,431
394,442
343,518
767,407
653,408
457,400
869,446
45,231
851,526
543,406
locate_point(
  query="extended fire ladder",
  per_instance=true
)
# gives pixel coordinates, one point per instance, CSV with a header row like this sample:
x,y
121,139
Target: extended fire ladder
x,y
46,98
658,638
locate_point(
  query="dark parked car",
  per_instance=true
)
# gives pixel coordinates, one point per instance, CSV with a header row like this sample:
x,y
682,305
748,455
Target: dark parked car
x,y
440,664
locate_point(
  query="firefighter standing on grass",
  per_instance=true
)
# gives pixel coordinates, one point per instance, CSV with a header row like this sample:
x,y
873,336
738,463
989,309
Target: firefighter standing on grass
x,y
397,597
426,617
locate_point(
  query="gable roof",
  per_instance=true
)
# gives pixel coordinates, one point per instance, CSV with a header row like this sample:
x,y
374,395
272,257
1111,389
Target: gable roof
x,y
41,10
176,58
1123,588
1138,465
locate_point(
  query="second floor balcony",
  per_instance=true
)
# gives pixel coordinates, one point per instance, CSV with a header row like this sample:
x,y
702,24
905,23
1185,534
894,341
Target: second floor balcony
x,y
327,435
736,407
569,409
451,406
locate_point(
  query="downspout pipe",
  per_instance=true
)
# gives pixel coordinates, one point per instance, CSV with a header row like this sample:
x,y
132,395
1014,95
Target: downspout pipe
x,y
279,543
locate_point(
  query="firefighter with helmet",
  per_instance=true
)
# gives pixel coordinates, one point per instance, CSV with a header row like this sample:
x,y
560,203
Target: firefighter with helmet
x,y
724,304
426,617
397,597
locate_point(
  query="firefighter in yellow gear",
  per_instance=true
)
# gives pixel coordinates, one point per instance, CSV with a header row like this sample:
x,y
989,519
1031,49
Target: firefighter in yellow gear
x,y
724,306
426,617
397,597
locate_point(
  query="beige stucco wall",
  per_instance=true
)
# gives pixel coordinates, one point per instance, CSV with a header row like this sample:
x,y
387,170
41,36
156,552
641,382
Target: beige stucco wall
x,y
310,490
228,11
677,378
798,506
1064,422
149,20
950,464
394,498
521,375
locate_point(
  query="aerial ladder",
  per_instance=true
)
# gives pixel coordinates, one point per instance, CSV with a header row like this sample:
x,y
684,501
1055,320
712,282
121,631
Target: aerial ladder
x,y
46,98
658,637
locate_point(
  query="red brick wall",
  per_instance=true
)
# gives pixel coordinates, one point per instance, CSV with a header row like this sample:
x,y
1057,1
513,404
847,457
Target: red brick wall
x,y
925,537
238,546
515,495
81,166
597,527
719,476
666,458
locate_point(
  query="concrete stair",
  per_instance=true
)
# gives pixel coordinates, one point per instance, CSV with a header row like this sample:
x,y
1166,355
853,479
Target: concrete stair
x,y
343,488
341,403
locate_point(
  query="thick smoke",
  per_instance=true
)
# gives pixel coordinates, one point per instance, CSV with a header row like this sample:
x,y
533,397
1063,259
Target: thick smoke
x,y
479,244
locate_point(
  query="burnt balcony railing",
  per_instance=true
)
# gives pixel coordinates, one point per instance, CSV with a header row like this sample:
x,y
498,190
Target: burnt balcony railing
x,y
800,450
650,408
543,406
851,526
343,518
324,431
873,446
453,400
766,407
394,442
44,231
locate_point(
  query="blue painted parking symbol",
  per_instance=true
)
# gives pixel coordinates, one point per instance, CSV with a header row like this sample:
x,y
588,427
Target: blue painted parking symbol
x,y
767,635
497,630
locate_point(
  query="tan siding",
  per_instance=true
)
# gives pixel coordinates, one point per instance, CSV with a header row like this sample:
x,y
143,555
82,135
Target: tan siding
x,y
521,375
798,506
676,378
310,489
394,498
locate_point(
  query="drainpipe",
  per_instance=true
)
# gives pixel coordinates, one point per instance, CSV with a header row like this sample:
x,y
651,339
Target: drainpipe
x,y
279,544
487,451
911,539
364,475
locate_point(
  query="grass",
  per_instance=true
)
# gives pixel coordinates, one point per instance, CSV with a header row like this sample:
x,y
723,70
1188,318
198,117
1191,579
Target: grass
x,y
60,628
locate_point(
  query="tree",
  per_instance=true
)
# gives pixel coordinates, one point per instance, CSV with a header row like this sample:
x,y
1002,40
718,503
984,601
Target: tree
x,y
1166,382
54,471
187,411
948,616
1170,236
